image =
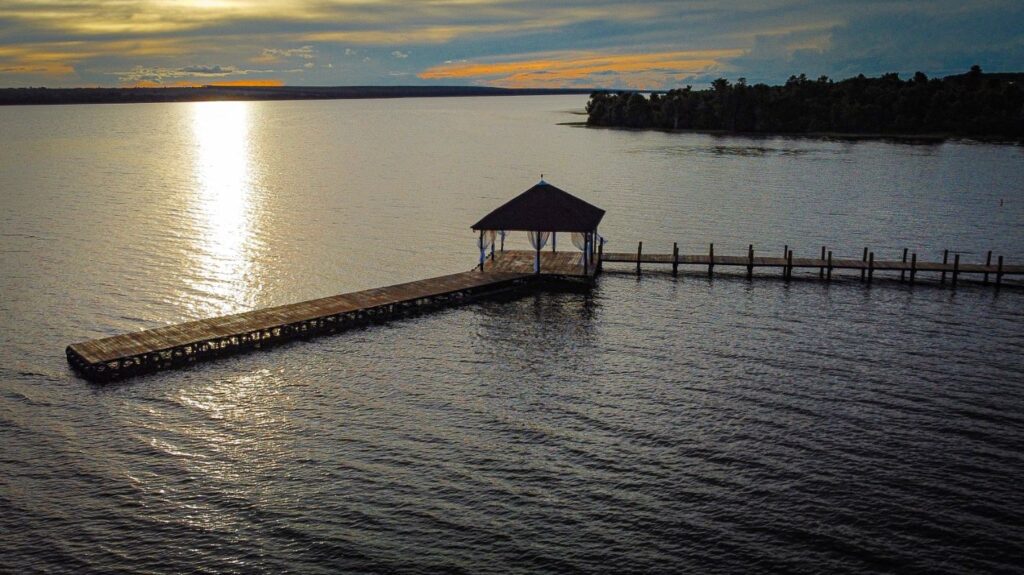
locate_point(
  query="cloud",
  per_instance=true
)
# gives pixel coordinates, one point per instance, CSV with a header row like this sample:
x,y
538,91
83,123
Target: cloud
x,y
95,41
275,55
208,70
644,70
160,75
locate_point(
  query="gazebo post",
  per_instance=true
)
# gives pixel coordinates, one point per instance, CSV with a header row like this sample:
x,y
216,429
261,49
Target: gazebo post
x,y
554,242
586,244
536,261
482,253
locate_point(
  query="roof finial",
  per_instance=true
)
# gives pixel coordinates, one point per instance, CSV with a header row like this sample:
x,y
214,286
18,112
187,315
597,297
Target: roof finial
x,y
542,179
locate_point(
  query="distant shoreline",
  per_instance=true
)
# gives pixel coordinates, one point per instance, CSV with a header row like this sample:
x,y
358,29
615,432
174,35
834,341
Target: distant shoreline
x,y
65,96
903,138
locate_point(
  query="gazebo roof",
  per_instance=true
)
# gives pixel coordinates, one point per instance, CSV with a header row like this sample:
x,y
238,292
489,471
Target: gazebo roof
x,y
543,208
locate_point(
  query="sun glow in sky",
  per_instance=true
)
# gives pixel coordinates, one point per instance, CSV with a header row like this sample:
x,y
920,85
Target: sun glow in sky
x,y
523,43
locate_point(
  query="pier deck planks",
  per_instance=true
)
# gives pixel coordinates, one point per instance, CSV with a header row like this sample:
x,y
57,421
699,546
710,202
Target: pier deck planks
x,y
174,336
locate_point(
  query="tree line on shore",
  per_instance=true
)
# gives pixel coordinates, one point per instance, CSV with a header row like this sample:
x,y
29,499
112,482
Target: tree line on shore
x,y
971,104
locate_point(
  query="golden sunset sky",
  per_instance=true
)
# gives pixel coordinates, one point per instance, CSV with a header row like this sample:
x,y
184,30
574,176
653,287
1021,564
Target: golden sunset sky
x,y
526,43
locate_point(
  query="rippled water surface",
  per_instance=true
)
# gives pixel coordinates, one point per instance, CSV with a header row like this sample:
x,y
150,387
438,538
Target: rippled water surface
x,y
654,424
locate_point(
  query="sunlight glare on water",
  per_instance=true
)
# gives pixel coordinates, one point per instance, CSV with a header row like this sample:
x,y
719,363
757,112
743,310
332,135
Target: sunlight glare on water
x,y
224,199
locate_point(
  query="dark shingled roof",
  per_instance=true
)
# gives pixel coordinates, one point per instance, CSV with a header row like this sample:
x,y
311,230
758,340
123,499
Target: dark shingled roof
x,y
543,208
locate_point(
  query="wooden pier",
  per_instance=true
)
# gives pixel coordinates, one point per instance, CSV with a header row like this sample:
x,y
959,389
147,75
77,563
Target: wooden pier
x,y
542,212
825,265
179,345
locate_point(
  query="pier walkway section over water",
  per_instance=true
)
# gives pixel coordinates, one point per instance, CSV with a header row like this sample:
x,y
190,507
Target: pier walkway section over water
x,y
182,344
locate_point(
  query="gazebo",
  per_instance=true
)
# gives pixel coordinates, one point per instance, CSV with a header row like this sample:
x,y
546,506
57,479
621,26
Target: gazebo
x,y
542,211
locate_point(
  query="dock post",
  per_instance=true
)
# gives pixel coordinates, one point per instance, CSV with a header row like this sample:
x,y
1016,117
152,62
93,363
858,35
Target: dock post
x,y
903,272
554,241
750,261
600,255
639,252
789,265
785,254
821,270
863,258
988,263
913,267
945,260
483,254
871,266
586,256
711,259
999,272
675,259
829,277
956,268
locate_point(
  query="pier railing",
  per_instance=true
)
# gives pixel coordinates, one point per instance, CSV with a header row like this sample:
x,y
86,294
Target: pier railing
x,y
909,265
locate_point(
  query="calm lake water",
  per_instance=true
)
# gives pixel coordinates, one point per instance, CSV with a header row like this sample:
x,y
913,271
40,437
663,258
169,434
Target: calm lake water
x,y
655,424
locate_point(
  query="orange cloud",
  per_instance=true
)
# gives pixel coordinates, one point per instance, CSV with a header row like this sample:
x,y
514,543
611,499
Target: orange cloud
x,y
633,70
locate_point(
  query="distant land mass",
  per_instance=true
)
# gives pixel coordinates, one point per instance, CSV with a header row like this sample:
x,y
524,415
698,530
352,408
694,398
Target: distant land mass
x,y
974,104
36,96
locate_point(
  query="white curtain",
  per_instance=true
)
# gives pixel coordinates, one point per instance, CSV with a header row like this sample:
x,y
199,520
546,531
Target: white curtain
x,y
483,241
579,240
538,240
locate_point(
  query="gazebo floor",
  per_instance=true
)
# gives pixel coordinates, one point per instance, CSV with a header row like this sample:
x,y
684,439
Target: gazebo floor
x,y
566,263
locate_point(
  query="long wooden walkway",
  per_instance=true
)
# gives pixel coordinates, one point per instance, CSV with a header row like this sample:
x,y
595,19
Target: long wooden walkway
x,y
825,265
180,345
183,344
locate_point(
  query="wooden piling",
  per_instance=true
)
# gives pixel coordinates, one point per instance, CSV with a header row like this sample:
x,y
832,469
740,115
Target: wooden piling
x,y
675,259
829,276
863,258
639,253
945,260
999,272
481,266
913,267
750,261
821,270
785,254
871,266
711,259
903,273
600,254
789,265
988,263
586,258
956,268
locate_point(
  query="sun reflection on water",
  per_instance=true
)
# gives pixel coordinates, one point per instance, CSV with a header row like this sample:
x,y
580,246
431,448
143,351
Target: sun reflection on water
x,y
224,206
